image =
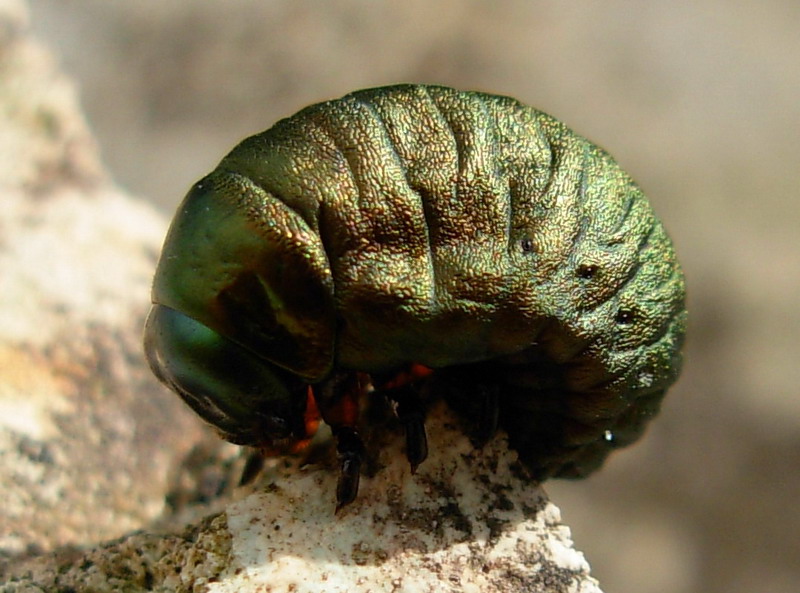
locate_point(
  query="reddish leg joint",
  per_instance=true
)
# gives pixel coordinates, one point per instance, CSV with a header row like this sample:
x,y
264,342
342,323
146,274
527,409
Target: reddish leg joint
x,y
338,399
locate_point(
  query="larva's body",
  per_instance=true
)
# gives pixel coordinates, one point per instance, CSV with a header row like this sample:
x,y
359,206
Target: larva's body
x,y
414,225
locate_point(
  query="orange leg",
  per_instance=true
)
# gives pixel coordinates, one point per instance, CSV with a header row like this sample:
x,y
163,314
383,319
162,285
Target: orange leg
x,y
304,431
311,420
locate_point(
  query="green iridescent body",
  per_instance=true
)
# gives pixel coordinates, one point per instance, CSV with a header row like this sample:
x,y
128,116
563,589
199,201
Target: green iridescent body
x,y
462,231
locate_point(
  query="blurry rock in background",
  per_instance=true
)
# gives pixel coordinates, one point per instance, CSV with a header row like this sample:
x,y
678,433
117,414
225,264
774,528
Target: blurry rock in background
x,y
89,441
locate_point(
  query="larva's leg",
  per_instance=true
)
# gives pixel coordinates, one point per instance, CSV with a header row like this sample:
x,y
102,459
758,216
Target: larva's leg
x,y
351,454
252,467
338,400
411,414
475,396
488,398
301,425
404,389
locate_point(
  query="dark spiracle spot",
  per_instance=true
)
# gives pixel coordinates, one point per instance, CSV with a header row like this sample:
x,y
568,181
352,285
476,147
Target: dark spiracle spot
x,y
587,271
526,245
625,317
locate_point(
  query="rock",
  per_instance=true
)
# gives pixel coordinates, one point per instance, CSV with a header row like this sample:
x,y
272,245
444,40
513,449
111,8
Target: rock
x,y
468,520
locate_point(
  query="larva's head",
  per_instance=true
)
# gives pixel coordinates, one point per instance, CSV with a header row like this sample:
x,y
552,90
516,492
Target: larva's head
x,y
241,307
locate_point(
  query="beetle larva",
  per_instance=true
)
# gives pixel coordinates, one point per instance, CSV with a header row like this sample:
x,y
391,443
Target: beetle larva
x,y
415,236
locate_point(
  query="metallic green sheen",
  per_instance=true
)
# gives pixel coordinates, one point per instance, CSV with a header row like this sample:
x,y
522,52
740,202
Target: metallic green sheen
x,y
202,371
424,224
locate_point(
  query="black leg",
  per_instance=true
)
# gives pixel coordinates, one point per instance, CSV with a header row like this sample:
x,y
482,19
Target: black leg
x,y
351,454
338,399
411,414
475,396
488,397
252,467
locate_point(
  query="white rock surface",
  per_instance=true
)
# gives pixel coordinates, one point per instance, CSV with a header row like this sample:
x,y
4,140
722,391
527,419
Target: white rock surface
x,y
467,521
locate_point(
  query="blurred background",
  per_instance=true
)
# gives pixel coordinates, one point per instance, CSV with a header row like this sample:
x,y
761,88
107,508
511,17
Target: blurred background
x,y
699,101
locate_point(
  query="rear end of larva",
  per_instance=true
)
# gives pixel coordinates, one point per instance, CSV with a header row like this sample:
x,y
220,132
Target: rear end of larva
x,y
614,320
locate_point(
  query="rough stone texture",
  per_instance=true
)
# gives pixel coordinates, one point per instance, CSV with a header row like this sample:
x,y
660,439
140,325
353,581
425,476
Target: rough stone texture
x,y
91,447
469,520
140,562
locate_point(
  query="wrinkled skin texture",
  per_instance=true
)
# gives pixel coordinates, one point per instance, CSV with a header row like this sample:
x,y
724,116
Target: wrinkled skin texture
x,y
461,231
